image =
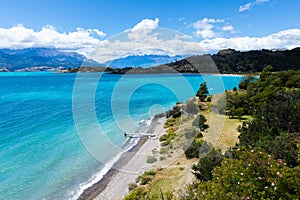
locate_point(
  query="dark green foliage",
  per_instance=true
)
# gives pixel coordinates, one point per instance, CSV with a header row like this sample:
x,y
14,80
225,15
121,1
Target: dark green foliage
x,y
208,99
145,178
203,169
202,92
239,113
252,175
245,82
255,61
279,114
163,137
176,114
199,122
234,89
284,147
137,194
192,150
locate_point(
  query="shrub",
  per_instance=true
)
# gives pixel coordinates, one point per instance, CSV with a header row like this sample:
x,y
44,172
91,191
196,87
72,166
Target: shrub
x,y
202,91
136,194
145,178
189,133
151,159
208,99
163,137
203,169
253,175
199,134
200,122
164,150
162,158
131,186
192,149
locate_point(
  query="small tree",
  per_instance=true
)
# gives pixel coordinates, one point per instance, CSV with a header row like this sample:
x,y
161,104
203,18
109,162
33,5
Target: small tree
x,y
202,92
199,122
239,113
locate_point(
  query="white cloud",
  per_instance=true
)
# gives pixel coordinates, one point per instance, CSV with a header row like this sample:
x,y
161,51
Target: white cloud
x,y
146,37
261,1
206,33
146,24
245,7
19,36
249,5
99,33
209,28
227,28
284,39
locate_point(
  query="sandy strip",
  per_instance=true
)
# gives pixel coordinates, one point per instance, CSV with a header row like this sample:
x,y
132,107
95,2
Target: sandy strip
x,y
114,184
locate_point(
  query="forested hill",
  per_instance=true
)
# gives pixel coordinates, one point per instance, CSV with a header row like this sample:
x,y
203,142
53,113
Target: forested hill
x,y
232,61
254,61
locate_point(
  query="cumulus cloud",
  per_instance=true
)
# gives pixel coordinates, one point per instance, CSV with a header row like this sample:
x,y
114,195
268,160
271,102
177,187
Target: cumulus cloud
x,y
249,5
207,28
19,36
146,37
284,39
146,24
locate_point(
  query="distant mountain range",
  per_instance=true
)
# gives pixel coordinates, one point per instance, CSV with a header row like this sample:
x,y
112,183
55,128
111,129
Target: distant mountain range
x,y
51,59
144,61
40,59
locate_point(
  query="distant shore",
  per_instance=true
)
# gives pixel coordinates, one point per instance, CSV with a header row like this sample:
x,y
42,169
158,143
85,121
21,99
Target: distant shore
x,y
114,184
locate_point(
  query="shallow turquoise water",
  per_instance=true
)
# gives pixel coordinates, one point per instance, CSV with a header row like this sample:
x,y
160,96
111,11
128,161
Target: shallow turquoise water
x,y
47,124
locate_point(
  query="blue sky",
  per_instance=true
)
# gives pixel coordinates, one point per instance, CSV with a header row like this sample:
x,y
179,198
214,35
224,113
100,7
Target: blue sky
x,y
208,22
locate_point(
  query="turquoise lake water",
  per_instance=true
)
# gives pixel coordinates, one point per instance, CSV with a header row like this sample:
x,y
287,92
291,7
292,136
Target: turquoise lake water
x,y
57,130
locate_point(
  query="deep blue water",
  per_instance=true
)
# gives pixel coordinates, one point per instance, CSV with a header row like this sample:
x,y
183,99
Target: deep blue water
x,y
57,130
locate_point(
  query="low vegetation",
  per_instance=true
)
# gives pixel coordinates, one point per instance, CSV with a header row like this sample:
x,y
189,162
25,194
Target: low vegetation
x,y
262,164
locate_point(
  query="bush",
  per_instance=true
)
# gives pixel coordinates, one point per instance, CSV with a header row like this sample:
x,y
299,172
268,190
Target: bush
x,y
136,194
199,122
189,133
145,178
203,169
199,134
192,150
151,159
132,186
202,91
253,175
164,150
285,147
163,137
